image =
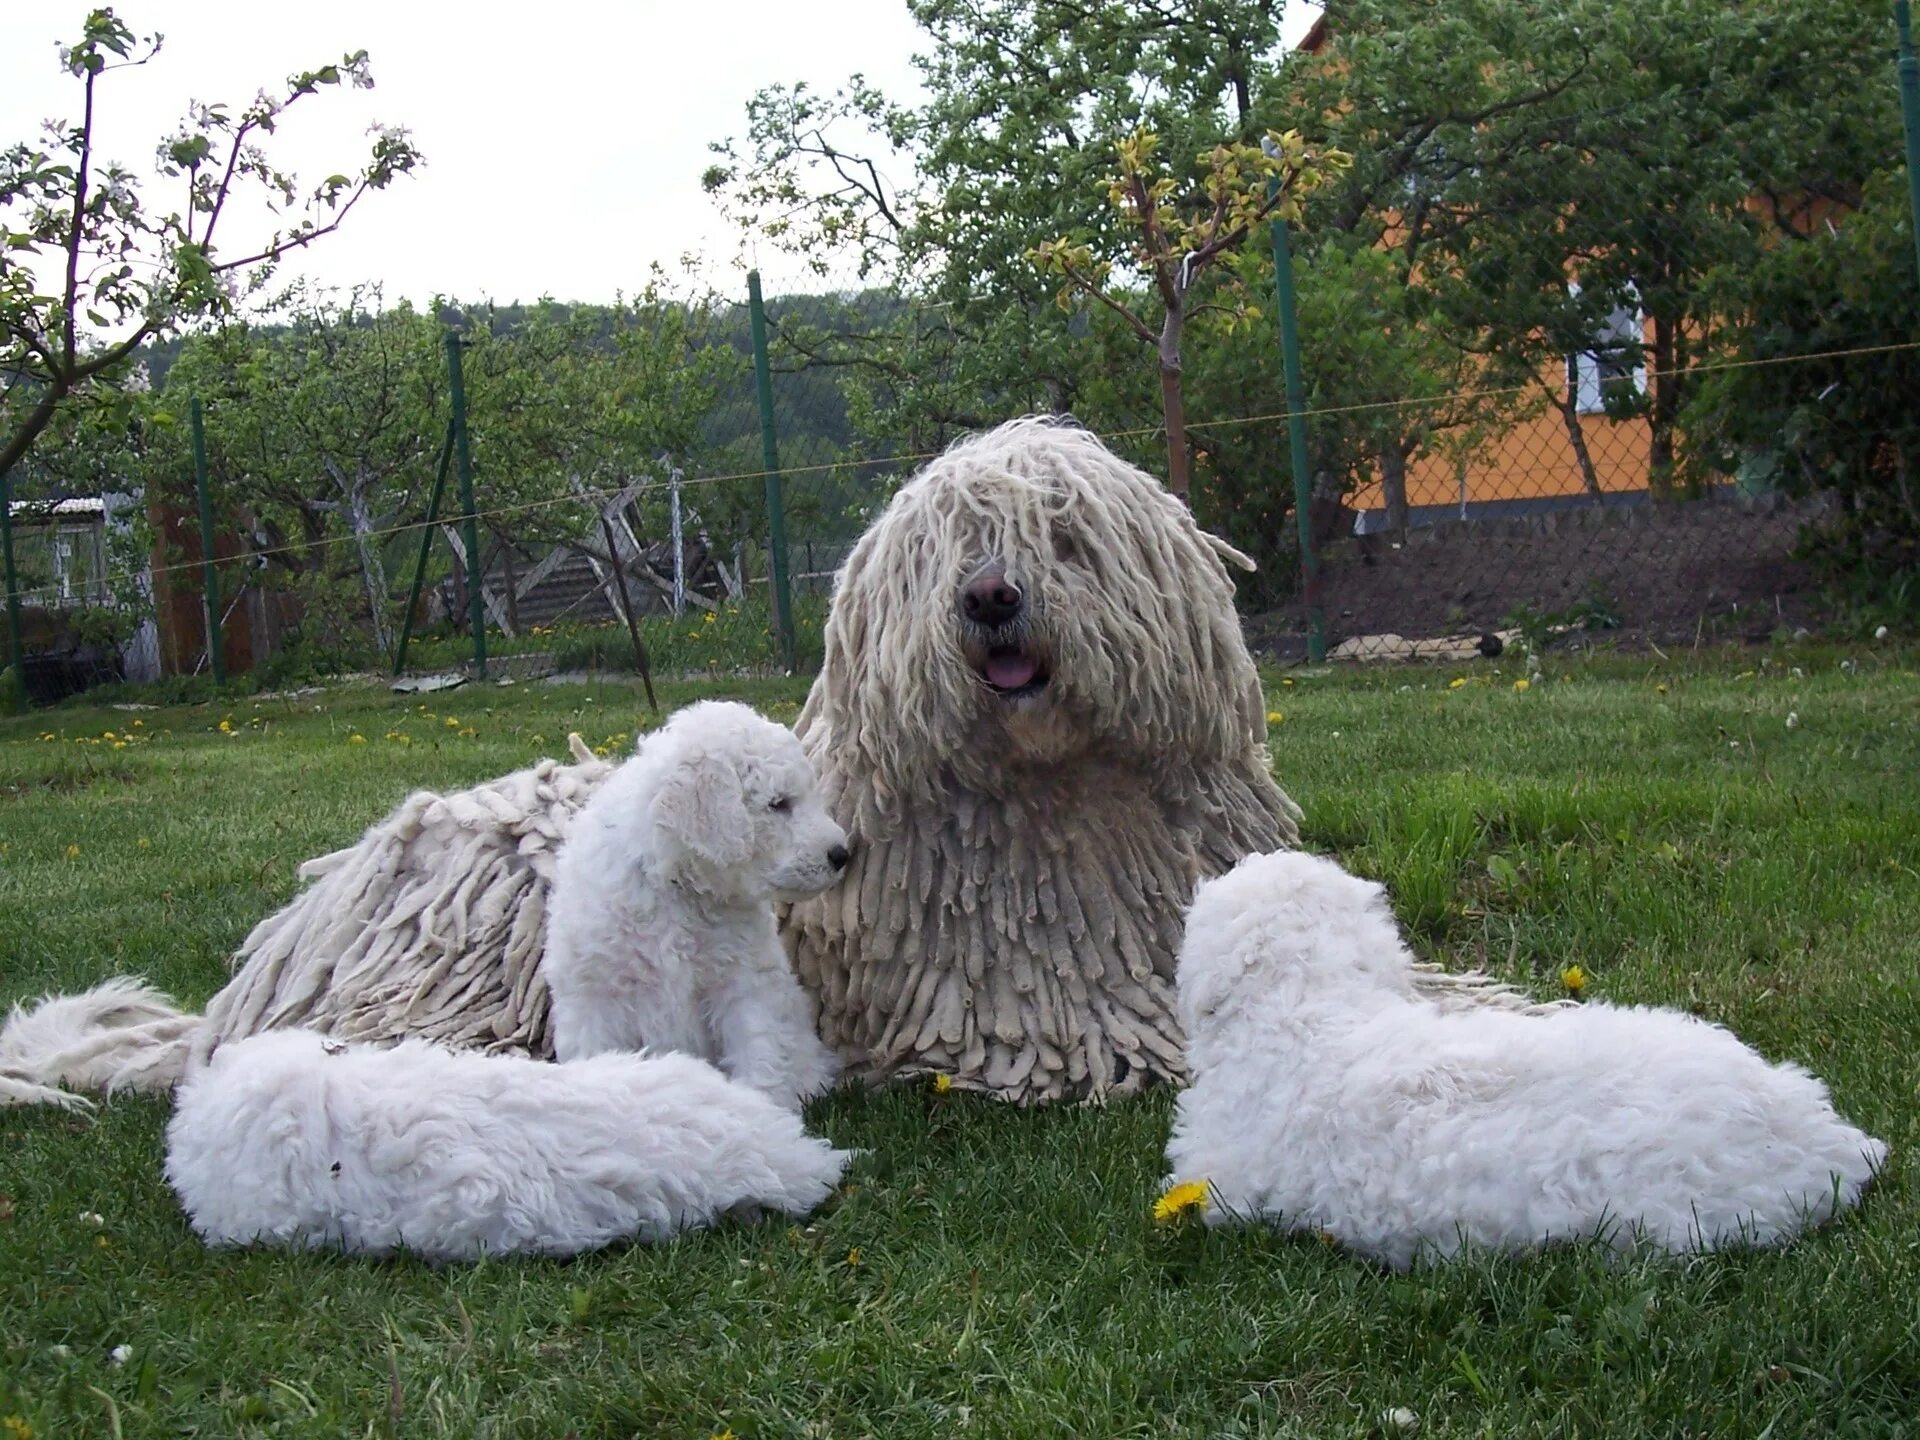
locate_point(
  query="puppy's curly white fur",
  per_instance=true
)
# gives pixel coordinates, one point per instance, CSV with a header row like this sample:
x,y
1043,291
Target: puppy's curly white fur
x,y
292,1139
1328,1095
661,927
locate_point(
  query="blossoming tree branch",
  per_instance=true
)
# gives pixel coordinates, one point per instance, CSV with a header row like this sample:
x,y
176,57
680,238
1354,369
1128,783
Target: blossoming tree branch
x,y
1178,234
89,271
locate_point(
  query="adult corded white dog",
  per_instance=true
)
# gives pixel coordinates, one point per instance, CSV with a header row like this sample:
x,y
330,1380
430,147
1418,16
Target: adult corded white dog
x,y
1328,1095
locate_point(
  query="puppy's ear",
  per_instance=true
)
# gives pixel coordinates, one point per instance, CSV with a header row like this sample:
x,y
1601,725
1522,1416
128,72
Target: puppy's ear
x,y
703,806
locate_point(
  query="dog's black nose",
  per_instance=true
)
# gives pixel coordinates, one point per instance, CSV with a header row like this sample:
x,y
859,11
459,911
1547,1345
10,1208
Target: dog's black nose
x,y
990,598
838,856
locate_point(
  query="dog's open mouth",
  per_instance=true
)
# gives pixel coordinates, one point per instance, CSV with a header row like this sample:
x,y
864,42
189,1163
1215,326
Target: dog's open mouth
x,y
1013,672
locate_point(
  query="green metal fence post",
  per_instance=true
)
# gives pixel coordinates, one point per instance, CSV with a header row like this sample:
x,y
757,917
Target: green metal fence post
x,y
1909,71
426,544
1297,435
476,603
16,650
209,576
770,453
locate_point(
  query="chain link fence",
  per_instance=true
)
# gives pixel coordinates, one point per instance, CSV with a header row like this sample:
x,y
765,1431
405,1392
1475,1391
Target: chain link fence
x,y
1637,440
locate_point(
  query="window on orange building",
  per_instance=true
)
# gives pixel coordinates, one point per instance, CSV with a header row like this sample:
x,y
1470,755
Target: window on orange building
x,y
1614,359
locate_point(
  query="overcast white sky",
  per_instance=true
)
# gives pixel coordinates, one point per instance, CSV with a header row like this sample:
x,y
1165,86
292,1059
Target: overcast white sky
x,y
564,140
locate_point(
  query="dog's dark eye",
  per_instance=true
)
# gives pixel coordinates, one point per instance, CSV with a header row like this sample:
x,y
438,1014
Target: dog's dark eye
x,y
780,806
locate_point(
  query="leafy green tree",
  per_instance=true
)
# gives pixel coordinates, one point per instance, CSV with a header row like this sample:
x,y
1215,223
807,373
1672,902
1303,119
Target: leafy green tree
x,y
1178,242
1818,397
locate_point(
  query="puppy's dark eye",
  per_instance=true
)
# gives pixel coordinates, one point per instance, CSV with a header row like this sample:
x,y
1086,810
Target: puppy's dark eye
x,y
780,806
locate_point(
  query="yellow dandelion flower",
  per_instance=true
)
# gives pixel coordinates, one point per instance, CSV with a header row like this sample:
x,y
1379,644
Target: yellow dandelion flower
x,y
17,1428
1274,717
108,735
467,732
693,634
226,727
73,852
101,1242
1177,1200
1287,682
539,740
726,1434
1659,689
356,739
942,1084
119,744
1522,686
1456,682
1574,978
139,724
47,736
853,1258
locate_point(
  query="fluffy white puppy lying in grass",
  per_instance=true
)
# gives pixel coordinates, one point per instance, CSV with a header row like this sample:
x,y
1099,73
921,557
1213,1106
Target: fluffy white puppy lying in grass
x,y
291,1139
1327,1096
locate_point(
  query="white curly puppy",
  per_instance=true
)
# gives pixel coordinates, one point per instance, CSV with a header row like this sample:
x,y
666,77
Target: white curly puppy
x,y
1328,1096
660,928
294,1140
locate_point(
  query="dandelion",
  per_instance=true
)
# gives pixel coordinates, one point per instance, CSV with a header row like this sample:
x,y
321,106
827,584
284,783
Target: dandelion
x,y
108,735
1288,682
1659,689
1793,720
1520,687
1274,717
17,1428
119,744
942,1084
853,1258
356,739
1177,1200
139,724
73,852
101,1242
1880,633
144,843
226,726
1574,978
453,722
1456,682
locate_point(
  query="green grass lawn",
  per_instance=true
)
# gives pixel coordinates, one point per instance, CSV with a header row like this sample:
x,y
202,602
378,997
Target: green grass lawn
x,y
990,1272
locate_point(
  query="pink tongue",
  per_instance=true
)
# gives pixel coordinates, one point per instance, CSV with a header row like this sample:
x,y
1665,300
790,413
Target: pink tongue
x,y
1010,669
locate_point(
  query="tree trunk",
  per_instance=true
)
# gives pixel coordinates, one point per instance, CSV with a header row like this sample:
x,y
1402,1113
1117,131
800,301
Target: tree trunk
x,y
1393,488
1176,412
1569,410
1664,411
373,575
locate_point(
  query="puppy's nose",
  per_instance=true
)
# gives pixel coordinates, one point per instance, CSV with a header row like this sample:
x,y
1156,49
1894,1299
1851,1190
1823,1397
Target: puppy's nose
x,y
990,598
838,856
